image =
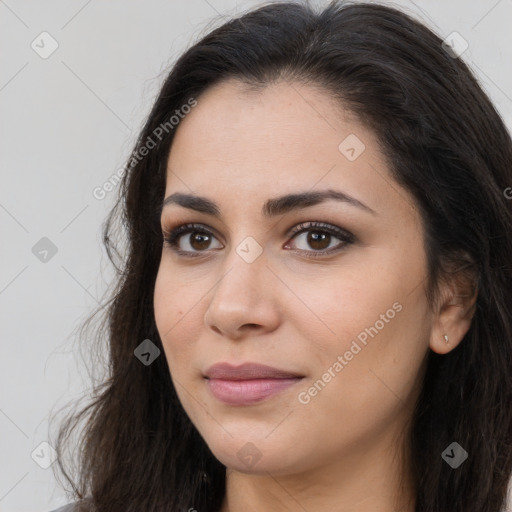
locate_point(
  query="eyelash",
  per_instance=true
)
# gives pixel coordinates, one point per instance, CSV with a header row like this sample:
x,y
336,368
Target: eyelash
x,y
171,237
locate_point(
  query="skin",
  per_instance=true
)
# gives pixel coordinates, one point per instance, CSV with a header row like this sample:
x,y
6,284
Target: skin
x,y
342,449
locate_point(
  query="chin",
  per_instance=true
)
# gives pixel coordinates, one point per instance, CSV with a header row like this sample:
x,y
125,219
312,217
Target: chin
x,y
258,456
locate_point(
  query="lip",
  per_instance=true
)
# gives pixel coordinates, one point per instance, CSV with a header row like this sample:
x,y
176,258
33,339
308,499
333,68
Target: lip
x,y
248,383
247,371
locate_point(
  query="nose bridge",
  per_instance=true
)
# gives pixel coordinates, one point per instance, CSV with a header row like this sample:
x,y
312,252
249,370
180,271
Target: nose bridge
x,y
242,270
241,295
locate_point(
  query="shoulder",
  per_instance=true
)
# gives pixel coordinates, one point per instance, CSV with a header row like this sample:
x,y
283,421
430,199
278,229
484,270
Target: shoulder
x,y
70,507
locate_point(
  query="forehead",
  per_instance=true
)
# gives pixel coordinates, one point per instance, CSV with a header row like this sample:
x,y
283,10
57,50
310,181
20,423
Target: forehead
x,y
284,121
283,138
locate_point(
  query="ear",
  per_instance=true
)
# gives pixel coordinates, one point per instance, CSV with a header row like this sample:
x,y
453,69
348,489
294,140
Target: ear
x,y
454,308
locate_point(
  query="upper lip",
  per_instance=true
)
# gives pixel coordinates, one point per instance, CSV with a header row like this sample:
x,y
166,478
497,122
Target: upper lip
x,y
247,371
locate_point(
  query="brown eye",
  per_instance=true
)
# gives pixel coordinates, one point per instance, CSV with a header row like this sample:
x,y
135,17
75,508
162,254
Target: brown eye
x,y
317,242
318,237
199,239
315,239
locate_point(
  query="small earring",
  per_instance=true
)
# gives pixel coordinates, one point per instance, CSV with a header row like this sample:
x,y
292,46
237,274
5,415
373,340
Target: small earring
x,y
446,338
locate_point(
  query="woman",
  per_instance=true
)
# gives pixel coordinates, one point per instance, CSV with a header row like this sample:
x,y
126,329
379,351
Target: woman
x,y
315,311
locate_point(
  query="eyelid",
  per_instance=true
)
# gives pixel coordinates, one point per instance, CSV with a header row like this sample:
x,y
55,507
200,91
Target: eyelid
x,y
172,235
337,231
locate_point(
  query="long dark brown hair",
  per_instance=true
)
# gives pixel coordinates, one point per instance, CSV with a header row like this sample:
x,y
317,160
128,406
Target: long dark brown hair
x,y
445,143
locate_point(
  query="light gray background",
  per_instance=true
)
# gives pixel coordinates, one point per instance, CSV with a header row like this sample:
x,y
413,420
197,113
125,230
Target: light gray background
x,y
67,124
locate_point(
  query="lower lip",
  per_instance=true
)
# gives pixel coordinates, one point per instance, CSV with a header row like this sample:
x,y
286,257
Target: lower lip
x,y
246,392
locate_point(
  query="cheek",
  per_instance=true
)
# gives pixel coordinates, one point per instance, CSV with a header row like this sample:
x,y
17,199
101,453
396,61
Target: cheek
x,y
337,307
164,303
175,317
371,315
380,357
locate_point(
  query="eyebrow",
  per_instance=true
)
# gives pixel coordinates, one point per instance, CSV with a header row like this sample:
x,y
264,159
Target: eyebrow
x,y
273,207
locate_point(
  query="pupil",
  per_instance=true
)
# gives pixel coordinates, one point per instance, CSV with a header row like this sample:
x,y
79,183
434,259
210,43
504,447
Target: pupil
x,y
316,239
201,239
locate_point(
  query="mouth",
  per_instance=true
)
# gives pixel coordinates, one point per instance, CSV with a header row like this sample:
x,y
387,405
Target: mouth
x,y
248,383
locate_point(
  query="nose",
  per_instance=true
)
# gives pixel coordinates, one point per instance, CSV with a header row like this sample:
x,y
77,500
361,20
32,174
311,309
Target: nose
x,y
244,302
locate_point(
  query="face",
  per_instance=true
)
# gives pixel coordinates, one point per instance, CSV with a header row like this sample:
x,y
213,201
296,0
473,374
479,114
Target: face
x,y
329,291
